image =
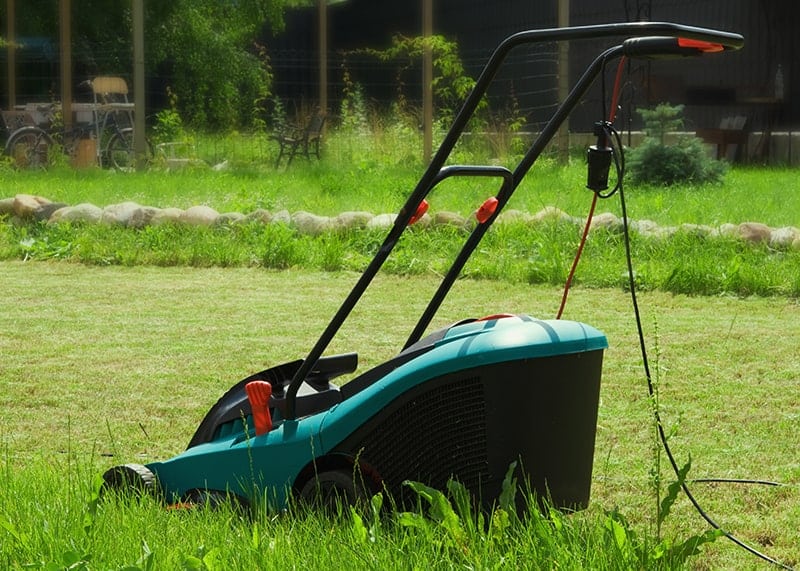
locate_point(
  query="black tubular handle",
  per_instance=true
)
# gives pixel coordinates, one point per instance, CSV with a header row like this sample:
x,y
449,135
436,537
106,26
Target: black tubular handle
x,y
471,243
726,40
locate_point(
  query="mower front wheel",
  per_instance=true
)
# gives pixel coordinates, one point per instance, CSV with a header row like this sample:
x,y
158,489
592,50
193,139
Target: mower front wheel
x,y
133,479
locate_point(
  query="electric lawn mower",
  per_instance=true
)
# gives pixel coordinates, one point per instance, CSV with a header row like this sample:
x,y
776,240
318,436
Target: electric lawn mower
x,y
462,402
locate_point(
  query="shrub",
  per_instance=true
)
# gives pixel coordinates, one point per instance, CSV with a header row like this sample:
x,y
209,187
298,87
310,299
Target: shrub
x,y
658,163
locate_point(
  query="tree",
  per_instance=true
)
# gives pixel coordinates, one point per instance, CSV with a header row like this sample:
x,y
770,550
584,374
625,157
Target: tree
x,y
205,51
655,162
208,50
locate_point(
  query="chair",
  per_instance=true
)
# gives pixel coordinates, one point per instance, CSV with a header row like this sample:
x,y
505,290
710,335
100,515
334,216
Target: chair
x,y
177,154
110,96
730,138
293,139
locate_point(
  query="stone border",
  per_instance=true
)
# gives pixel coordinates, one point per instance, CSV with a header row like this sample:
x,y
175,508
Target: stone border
x,y
25,208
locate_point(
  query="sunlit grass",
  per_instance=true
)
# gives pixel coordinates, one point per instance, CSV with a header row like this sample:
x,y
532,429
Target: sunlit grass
x,y
377,173
515,252
109,357
104,365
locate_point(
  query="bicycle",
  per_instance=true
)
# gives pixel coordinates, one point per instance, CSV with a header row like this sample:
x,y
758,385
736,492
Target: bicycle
x,y
27,144
30,144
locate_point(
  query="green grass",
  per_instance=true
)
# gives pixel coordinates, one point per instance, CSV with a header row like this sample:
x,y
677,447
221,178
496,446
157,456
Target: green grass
x,y
103,365
514,252
71,531
377,173
117,357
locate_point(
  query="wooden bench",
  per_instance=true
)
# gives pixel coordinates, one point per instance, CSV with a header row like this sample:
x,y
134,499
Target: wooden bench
x,y
295,139
730,138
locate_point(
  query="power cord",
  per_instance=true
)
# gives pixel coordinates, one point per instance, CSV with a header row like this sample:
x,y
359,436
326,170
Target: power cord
x,y
651,389
599,161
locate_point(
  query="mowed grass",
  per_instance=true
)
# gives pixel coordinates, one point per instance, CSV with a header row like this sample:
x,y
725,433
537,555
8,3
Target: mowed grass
x,y
106,365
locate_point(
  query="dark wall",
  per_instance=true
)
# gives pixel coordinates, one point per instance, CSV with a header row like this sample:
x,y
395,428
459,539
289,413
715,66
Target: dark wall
x,y
741,83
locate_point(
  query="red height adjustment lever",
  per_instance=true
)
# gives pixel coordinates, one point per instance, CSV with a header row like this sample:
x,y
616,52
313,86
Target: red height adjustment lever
x,y
422,208
486,210
707,47
258,393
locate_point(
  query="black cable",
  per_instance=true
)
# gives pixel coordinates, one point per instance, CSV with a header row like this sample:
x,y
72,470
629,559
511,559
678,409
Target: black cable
x,y
603,89
735,481
651,389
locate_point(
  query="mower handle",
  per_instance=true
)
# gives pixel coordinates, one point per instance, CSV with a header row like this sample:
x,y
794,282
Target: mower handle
x,y
655,39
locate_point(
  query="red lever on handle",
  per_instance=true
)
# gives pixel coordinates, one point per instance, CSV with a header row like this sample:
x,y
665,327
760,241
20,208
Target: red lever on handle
x,y
486,210
421,210
707,47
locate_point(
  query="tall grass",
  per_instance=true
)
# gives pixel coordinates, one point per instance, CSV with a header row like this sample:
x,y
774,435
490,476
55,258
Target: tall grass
x,y
77,529
516,252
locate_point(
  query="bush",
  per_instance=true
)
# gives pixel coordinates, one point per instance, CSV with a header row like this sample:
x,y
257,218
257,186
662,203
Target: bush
x,y
657,163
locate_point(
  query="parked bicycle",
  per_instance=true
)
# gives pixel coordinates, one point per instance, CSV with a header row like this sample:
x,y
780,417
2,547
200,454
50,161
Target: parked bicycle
x,y
31,144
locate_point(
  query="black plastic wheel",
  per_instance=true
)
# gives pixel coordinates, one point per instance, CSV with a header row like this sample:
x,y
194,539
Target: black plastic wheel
x,y
133,479
29,147
335,488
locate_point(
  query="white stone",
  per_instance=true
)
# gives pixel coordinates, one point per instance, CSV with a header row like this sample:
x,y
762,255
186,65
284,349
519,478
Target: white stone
x,y
783,237
384,221
313,224
119,214
166,216
199,216
353,219
84,212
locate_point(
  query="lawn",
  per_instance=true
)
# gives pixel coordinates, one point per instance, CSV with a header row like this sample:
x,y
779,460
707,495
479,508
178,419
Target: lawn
x,y
109,357
376,175
103,365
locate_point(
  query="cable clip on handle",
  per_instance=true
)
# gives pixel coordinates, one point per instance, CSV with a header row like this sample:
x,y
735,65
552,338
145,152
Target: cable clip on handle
x,y
599,159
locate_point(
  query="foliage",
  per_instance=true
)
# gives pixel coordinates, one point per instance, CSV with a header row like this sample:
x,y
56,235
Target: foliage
x,y
656,162
204,48
353,110
208,50
169,125
662,550
451,84
662,120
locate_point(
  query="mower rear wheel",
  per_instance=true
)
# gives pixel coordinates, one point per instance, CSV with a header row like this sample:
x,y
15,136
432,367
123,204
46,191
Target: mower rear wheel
x,y
134,479
333,489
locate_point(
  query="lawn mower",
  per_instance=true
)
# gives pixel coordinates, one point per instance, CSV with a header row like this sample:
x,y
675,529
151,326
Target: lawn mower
x,y
463,402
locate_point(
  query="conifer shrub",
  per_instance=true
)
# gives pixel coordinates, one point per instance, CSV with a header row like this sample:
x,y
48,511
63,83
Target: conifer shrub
x,y
656,162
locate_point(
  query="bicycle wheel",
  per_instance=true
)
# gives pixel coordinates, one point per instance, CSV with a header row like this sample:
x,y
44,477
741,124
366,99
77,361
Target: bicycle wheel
x,y
29,147
119,151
